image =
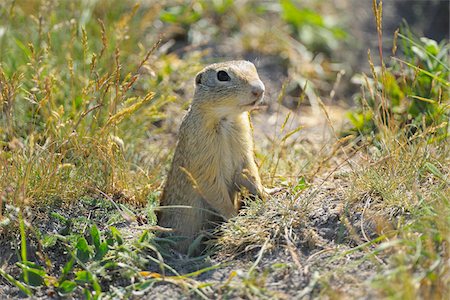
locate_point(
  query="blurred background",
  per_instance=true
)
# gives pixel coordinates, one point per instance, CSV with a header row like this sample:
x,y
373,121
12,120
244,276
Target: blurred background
x,y
303,41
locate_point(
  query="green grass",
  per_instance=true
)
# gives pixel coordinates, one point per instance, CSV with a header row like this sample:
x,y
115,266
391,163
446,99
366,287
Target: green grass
x,y
404,183
405,194
91,94
71,88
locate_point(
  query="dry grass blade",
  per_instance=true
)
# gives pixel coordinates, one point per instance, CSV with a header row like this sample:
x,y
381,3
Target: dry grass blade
x,y
118,117
259,256
292,250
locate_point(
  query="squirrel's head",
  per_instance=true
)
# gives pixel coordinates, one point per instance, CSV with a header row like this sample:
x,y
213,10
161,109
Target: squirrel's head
x,y
228,88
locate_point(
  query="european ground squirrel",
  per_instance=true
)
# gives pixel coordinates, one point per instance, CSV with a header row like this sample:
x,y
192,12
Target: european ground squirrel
x,y
214,156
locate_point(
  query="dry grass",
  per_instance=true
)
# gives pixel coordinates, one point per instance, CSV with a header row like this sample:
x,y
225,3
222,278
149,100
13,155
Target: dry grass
x,y
263,223
91,96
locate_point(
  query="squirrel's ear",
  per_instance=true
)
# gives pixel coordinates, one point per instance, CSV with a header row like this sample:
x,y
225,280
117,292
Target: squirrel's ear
x,y
198,78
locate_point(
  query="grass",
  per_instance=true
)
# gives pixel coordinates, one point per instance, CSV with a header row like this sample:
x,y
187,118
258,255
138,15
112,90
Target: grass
x,y
92,94
404,184
67,103
404,198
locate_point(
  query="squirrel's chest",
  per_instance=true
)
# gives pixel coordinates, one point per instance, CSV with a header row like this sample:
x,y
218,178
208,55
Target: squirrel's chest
x,y
233,143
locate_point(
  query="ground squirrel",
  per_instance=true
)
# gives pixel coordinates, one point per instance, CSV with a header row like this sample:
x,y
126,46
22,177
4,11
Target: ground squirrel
x,y
214,156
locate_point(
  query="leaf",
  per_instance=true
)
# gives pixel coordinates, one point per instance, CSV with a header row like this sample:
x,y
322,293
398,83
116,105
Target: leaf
x,y
418,51
301,185
393,89
49,240
23,241
67,287
116,235
199,272
32,266
144,286
34,273
83,277
195,245
59,217
95,235
299,17
182,14
101,251
96,286
67,268
150,274
82,249
16,283
427,49
431,46
435,77
78,101
24,48
434,170
50,280
87,294
144,236
424,99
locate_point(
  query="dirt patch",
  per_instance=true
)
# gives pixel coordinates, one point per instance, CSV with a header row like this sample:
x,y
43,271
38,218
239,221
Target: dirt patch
x,y
316,257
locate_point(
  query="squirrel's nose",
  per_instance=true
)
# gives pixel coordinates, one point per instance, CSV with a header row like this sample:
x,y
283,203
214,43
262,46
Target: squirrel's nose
x,y
258,89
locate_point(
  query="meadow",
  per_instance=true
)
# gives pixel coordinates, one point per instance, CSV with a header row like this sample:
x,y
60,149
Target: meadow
x,y
91,97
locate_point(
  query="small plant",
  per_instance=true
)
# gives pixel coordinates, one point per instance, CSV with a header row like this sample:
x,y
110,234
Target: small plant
x,y
404,186
311,28
411,95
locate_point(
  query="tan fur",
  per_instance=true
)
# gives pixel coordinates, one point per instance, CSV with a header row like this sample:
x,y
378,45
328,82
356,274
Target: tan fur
x,y
214,157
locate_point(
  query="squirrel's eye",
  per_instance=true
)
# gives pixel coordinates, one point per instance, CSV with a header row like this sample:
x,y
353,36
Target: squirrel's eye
x,y
223,76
